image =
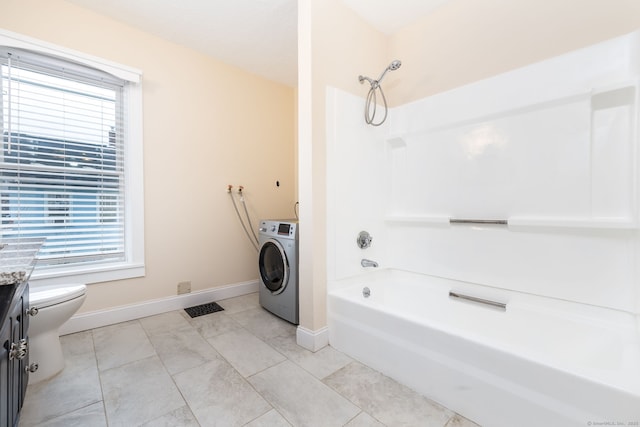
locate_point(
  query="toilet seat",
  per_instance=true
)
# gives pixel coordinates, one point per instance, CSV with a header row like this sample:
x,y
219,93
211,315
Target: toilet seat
x,y
46,296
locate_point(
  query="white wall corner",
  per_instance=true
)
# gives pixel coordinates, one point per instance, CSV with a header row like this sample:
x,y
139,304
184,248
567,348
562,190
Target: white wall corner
x,y
99,318
312,340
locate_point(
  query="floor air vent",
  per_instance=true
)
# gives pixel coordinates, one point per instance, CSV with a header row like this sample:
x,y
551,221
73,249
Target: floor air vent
x,y
202,309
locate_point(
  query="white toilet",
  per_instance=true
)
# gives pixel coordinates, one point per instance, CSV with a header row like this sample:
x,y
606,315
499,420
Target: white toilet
x,y
55,305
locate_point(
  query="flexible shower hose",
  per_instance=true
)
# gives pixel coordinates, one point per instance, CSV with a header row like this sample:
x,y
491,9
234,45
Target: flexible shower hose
x,y
372,101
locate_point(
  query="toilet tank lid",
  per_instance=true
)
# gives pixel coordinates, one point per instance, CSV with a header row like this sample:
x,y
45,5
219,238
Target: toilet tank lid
x,y
55,294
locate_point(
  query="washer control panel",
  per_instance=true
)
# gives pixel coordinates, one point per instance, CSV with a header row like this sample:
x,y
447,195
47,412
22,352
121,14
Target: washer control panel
x,y
282,228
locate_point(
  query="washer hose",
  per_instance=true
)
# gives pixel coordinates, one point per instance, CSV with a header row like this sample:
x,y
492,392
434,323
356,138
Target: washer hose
x,y
246,212
235,206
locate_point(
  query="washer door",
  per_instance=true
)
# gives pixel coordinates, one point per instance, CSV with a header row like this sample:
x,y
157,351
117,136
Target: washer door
x,y
274,266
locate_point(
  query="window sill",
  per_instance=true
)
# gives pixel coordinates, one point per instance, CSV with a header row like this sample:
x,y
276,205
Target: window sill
x,y
87,274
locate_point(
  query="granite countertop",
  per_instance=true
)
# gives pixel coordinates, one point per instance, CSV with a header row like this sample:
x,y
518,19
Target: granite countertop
x,y
17,259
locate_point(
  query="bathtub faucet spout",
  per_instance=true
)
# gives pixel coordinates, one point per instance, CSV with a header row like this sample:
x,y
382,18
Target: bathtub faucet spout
x,y
368,263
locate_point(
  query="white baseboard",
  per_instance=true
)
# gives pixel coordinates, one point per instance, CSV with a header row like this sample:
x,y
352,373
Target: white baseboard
x,y
312,340
96,319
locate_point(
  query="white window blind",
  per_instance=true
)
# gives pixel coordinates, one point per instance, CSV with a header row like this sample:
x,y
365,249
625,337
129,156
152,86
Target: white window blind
x,y
62,160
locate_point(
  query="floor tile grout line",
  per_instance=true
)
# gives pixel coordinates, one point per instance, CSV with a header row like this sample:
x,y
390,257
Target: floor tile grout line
x,y
95,356
70,412
354,417
298,364
346,397
101,400
264,397
186,402
157,355
262,415
430,401
172,376
164,366
245,379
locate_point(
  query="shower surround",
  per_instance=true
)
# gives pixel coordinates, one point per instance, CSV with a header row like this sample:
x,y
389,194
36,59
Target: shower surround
x,y
549,151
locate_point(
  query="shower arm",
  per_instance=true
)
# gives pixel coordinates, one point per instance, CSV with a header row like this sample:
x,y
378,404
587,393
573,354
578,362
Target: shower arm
x,y
361,79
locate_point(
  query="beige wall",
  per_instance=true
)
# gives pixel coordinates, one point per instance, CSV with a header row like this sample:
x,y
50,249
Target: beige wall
x,y
206,125
336,46
460,42
468,40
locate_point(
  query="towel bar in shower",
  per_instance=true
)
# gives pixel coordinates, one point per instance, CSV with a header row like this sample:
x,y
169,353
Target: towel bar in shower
x,y
478,221
495,304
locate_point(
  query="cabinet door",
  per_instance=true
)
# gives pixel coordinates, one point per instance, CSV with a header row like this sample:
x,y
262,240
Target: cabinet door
x,y
14,374
24,363
5,335
25,308
16,366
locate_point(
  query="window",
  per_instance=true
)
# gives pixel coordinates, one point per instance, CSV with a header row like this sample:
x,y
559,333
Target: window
x,y
70,164
57,209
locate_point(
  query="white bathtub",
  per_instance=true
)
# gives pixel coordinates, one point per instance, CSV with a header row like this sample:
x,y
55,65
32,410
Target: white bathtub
x,y
539,362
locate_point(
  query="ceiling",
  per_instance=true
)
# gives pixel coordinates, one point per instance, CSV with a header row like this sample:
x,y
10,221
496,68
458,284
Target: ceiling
x,y
256,35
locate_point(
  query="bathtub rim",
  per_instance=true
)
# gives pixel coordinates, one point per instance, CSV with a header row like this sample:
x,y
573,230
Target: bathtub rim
x,y
611,319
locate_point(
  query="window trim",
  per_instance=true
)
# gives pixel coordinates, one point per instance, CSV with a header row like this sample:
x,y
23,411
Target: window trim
x,y
133,163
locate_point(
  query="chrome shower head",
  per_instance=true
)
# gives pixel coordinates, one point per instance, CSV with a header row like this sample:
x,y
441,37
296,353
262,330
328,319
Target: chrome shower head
x,y
392,67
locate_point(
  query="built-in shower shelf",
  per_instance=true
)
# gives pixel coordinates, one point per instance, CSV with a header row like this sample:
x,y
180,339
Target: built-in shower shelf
x,y
525,223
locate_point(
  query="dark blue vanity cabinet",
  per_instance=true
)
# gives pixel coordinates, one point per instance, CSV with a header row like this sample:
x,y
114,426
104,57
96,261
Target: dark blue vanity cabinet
x,y
14,351
17,260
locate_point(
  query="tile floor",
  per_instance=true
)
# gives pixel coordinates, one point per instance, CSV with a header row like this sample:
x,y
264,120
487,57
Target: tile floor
x,y
238,367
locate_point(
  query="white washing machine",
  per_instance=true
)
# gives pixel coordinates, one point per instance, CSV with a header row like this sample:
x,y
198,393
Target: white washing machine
x,y
278,265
